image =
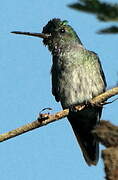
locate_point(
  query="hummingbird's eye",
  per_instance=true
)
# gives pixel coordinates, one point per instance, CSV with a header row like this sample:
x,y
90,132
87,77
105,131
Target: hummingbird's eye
x,y
62,30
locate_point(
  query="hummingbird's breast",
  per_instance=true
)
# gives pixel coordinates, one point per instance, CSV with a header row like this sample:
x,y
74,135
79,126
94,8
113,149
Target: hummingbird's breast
x,y
77,78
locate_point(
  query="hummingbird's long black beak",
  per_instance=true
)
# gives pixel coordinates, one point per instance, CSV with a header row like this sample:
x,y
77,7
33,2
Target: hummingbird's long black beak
x,y
40,35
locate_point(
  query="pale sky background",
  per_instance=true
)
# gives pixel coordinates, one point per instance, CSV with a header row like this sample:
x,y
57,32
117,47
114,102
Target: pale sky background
x,y
50,152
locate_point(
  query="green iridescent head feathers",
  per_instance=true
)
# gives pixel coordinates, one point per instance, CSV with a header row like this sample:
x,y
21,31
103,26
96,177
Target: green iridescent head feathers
x,y
53,25
60,34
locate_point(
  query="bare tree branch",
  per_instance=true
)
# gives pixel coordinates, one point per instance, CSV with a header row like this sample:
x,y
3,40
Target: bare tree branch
x,y
45,119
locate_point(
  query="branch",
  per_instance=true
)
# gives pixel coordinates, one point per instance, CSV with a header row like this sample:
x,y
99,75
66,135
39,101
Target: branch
x,y
45,119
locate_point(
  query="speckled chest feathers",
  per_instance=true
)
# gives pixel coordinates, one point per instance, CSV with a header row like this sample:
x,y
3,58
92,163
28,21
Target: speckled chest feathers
x,y
76,75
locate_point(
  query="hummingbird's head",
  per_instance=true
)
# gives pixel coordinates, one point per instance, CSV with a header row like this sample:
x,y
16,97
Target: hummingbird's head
x,y
60,34
56,34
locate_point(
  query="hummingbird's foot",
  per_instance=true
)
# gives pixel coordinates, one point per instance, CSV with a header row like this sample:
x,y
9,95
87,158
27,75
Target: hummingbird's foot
x,y
72,108
97,105
90,104
87,103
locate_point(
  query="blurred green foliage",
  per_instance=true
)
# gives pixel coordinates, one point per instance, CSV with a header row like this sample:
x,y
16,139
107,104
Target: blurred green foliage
x,y
107,12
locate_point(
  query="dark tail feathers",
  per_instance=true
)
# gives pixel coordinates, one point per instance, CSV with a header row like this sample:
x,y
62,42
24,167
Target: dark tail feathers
x,y
82,128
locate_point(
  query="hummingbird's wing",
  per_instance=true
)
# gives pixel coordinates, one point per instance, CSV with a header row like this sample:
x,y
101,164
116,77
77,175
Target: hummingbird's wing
x,y
100,69
55,82
84,122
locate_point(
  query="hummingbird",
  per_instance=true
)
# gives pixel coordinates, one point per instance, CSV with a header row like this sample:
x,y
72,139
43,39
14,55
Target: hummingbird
x,y
77,77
